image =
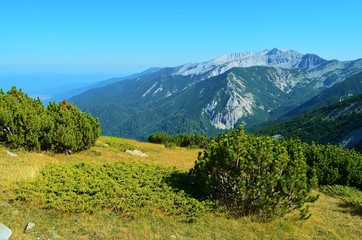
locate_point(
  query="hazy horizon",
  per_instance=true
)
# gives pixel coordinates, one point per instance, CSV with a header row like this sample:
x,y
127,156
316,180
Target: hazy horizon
x,y
47,85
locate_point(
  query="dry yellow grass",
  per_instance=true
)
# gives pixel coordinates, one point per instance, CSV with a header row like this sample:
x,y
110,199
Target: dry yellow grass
x,y
27,165
181,158
329,219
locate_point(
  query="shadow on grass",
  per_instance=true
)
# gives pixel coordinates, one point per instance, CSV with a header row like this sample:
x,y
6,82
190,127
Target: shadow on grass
x,y
351,209
350,198
182,181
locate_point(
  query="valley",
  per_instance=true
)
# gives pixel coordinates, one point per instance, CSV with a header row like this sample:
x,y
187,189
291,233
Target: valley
x,y
252,89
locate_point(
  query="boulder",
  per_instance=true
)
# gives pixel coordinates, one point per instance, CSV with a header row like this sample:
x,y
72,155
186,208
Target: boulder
x,y
137,152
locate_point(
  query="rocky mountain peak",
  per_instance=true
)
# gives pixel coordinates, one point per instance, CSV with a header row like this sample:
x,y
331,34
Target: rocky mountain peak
x,y
310,61
275,58
275,51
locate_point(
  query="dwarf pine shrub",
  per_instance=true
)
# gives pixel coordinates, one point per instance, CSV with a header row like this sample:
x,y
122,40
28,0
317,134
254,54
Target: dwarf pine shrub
x,y
253,175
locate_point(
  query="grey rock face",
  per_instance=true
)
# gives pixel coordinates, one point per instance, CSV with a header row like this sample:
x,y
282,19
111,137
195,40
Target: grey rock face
x,y
29,227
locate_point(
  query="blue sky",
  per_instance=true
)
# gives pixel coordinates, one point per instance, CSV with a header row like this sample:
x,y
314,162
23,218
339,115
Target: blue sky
x,y
130,36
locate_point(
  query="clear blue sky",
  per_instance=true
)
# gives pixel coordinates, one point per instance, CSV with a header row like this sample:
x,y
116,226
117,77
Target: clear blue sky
x,y
130,36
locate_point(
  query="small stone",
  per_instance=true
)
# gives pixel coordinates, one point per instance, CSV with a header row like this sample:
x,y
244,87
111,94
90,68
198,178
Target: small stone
x,y
68,152
11,154
29,227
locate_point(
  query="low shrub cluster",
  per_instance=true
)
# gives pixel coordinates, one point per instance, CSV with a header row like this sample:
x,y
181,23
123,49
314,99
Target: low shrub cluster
x,y
180,140
127,188
252,175
334,164
241,174
26,123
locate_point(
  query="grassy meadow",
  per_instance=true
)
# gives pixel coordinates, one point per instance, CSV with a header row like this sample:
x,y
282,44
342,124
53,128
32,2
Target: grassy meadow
x,y
331,219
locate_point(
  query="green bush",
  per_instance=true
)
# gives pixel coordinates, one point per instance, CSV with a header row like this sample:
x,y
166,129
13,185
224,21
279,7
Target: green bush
x,y
21,119
160,138
180,140
335,165
26,123
129,189
70,129
252,175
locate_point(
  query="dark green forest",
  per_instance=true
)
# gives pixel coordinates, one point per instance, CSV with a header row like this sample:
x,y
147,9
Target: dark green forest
x,y
326,125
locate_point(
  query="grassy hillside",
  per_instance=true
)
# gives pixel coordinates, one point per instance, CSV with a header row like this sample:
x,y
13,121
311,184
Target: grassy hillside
x,y
330,219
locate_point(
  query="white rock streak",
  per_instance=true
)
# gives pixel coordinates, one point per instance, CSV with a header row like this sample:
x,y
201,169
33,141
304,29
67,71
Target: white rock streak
x,y
210,108
150,89
157,90
238,105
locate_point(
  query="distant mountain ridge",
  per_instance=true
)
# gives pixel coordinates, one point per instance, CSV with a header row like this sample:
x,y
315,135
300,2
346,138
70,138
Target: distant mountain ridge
x,y
77,91
212,96
273,58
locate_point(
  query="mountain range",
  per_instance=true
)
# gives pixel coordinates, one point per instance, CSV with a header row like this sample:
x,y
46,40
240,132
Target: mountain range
x,y
249,88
